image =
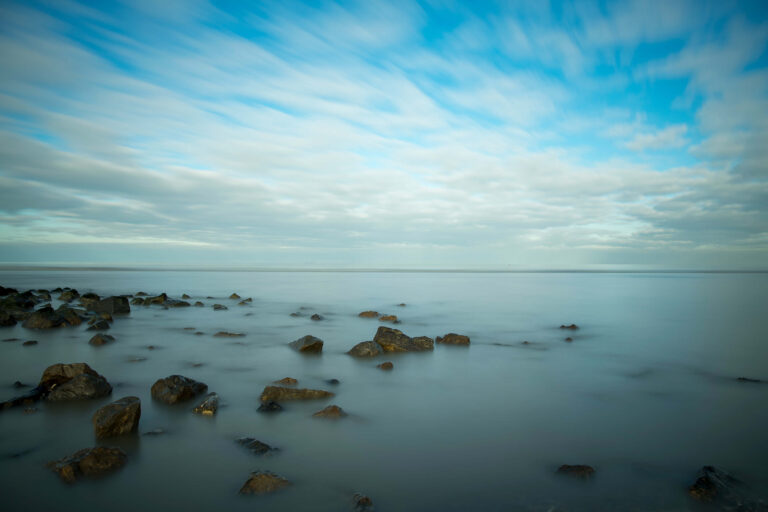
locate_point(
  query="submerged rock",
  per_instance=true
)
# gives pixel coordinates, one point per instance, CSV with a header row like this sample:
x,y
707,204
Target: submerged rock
x,y
234,296
362,503
577,471
219,307
368,314
263,482
307,344
385,366
389,318
115,305
119,418
101,339
453,339
69,295
227,334
747,379
255,446
332,412
573,327
393,340
333,382
198,304
720,488
279,394
99,325
208,406
569,339
75,381
29,343
89,463
287,381
47,318
270,407
317,317
177,388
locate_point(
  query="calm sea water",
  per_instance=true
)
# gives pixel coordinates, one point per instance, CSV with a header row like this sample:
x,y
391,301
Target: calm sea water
x,y
646,393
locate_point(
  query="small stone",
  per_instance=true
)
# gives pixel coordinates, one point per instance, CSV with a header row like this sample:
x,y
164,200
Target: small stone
x,y
573,327
198,304
208,406
185,296
255,446
29,343
219,307
569,339
234,296
277,393
453,339
402,304
101,339
368,314
307,344
263,482
389,318
89,463
333,382
362,503
317,317
577,471
385,366
270,407
332,412
154,432
227,334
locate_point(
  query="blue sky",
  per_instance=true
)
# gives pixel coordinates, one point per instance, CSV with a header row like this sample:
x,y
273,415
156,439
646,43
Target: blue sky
x,y
385,134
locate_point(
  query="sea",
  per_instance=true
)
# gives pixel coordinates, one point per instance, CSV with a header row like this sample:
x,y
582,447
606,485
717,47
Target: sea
x,y
647,392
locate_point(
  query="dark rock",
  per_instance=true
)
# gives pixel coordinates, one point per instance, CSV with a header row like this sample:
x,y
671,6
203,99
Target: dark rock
x,y
287,381
141,294
332,412
99,325
7,319
255,446
219,307
47,318
368,314
280,394
208,406
393,340
722,489
333,382
75,381
7,291
68,295
28,398
226,334
234,296
576,471
270,407
137,301
89,463
29,343
198,304
362,503
119,418
158,299
317,317
747,379
18,384
295,315
177,388
307,344
402,304
185,296
389,318
154,432
453,339
101,339
248,300
569,339
263,482
573,327
386,365
178,304
89,299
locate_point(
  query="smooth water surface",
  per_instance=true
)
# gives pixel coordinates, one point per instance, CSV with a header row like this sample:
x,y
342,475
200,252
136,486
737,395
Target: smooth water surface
x,y
646,393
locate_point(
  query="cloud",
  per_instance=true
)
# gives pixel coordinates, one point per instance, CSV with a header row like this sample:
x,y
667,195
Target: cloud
x,y
669,137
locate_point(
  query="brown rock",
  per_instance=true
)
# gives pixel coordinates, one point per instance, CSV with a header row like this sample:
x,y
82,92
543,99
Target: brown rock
x,y
287,381
234,296
388,318
279,394
208,406
255,446
366,349
362,503
101,339
368,314
118,418
74,381
332,412
453,339
263,482
307,344
573,327
89,463
385,366
226,334
569,339
393,340
177,388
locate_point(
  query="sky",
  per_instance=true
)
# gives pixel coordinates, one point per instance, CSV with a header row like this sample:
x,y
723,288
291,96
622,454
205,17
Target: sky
x,y
385,134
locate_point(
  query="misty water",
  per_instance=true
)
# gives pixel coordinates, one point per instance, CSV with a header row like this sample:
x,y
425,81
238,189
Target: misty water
x,y
646,393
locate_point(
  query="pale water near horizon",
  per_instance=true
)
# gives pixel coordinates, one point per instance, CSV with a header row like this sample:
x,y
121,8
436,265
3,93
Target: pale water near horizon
x,y
646,393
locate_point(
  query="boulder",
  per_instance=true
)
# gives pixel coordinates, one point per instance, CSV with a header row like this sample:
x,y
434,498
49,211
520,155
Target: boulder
x,y
270,407
717,487
287,381
47,318
68,295
208,406
393,340
176,388
317,317
7,319
307,344
368,314
453,339
89,463
576,471
279,394
99,325
234,296
219,307
255,446
332,412
75,381
119,418
263,482
158,299
89,299
7,291
101,339
385,366
389,318
362,503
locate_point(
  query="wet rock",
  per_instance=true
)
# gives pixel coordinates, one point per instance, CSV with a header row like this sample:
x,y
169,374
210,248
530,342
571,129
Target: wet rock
x,y
89,299
107,317
185,296
332,412
177,388
119,418
227,334
7,319
198,304
747,379
178,304
577,471
101,339
280,394
722,489
219,307
307,344
263,482
7,291
295,315
69,295
234,296
393,340
74,381
389,318
247,301
255,446
99,325
573,327
28,398
137,301
242,303
18,385
368,314
158,299
29,343
141,294
453,339
270,407
208,406
385,366
317,317
362,503
569,339
47,318
287,381
89,463
333,382
402,304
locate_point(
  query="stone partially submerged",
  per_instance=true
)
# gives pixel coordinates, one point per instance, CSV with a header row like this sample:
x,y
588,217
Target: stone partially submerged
x,y
307,344
255,446
366,349
263,482
48,318
75,381
115,305
720,488
89,463
208,406
453,339
177,388
280,394
393,340
580,471
331,412
119,418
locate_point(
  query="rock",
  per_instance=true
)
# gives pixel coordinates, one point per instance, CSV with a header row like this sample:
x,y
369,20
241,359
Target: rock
x,y
386,365
227,334
333,382
747,379
29,343
178,304
332,412
270,407
219,307
198,304
176,388
89,463
158,299
317,317
362,503
402,304
569,339
389,318
137,301
28,398
7,291
287,381
18,385
718,487
185,296
576,471
99,325
453,339
107,317
208,406
368,314
75,381
393,340
119,418
68,295
88,299
47,318
247,301
279,394
7,319
255,446
295,315
263,482
154,432
242,303
141,294
234,296
307,344
573,327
